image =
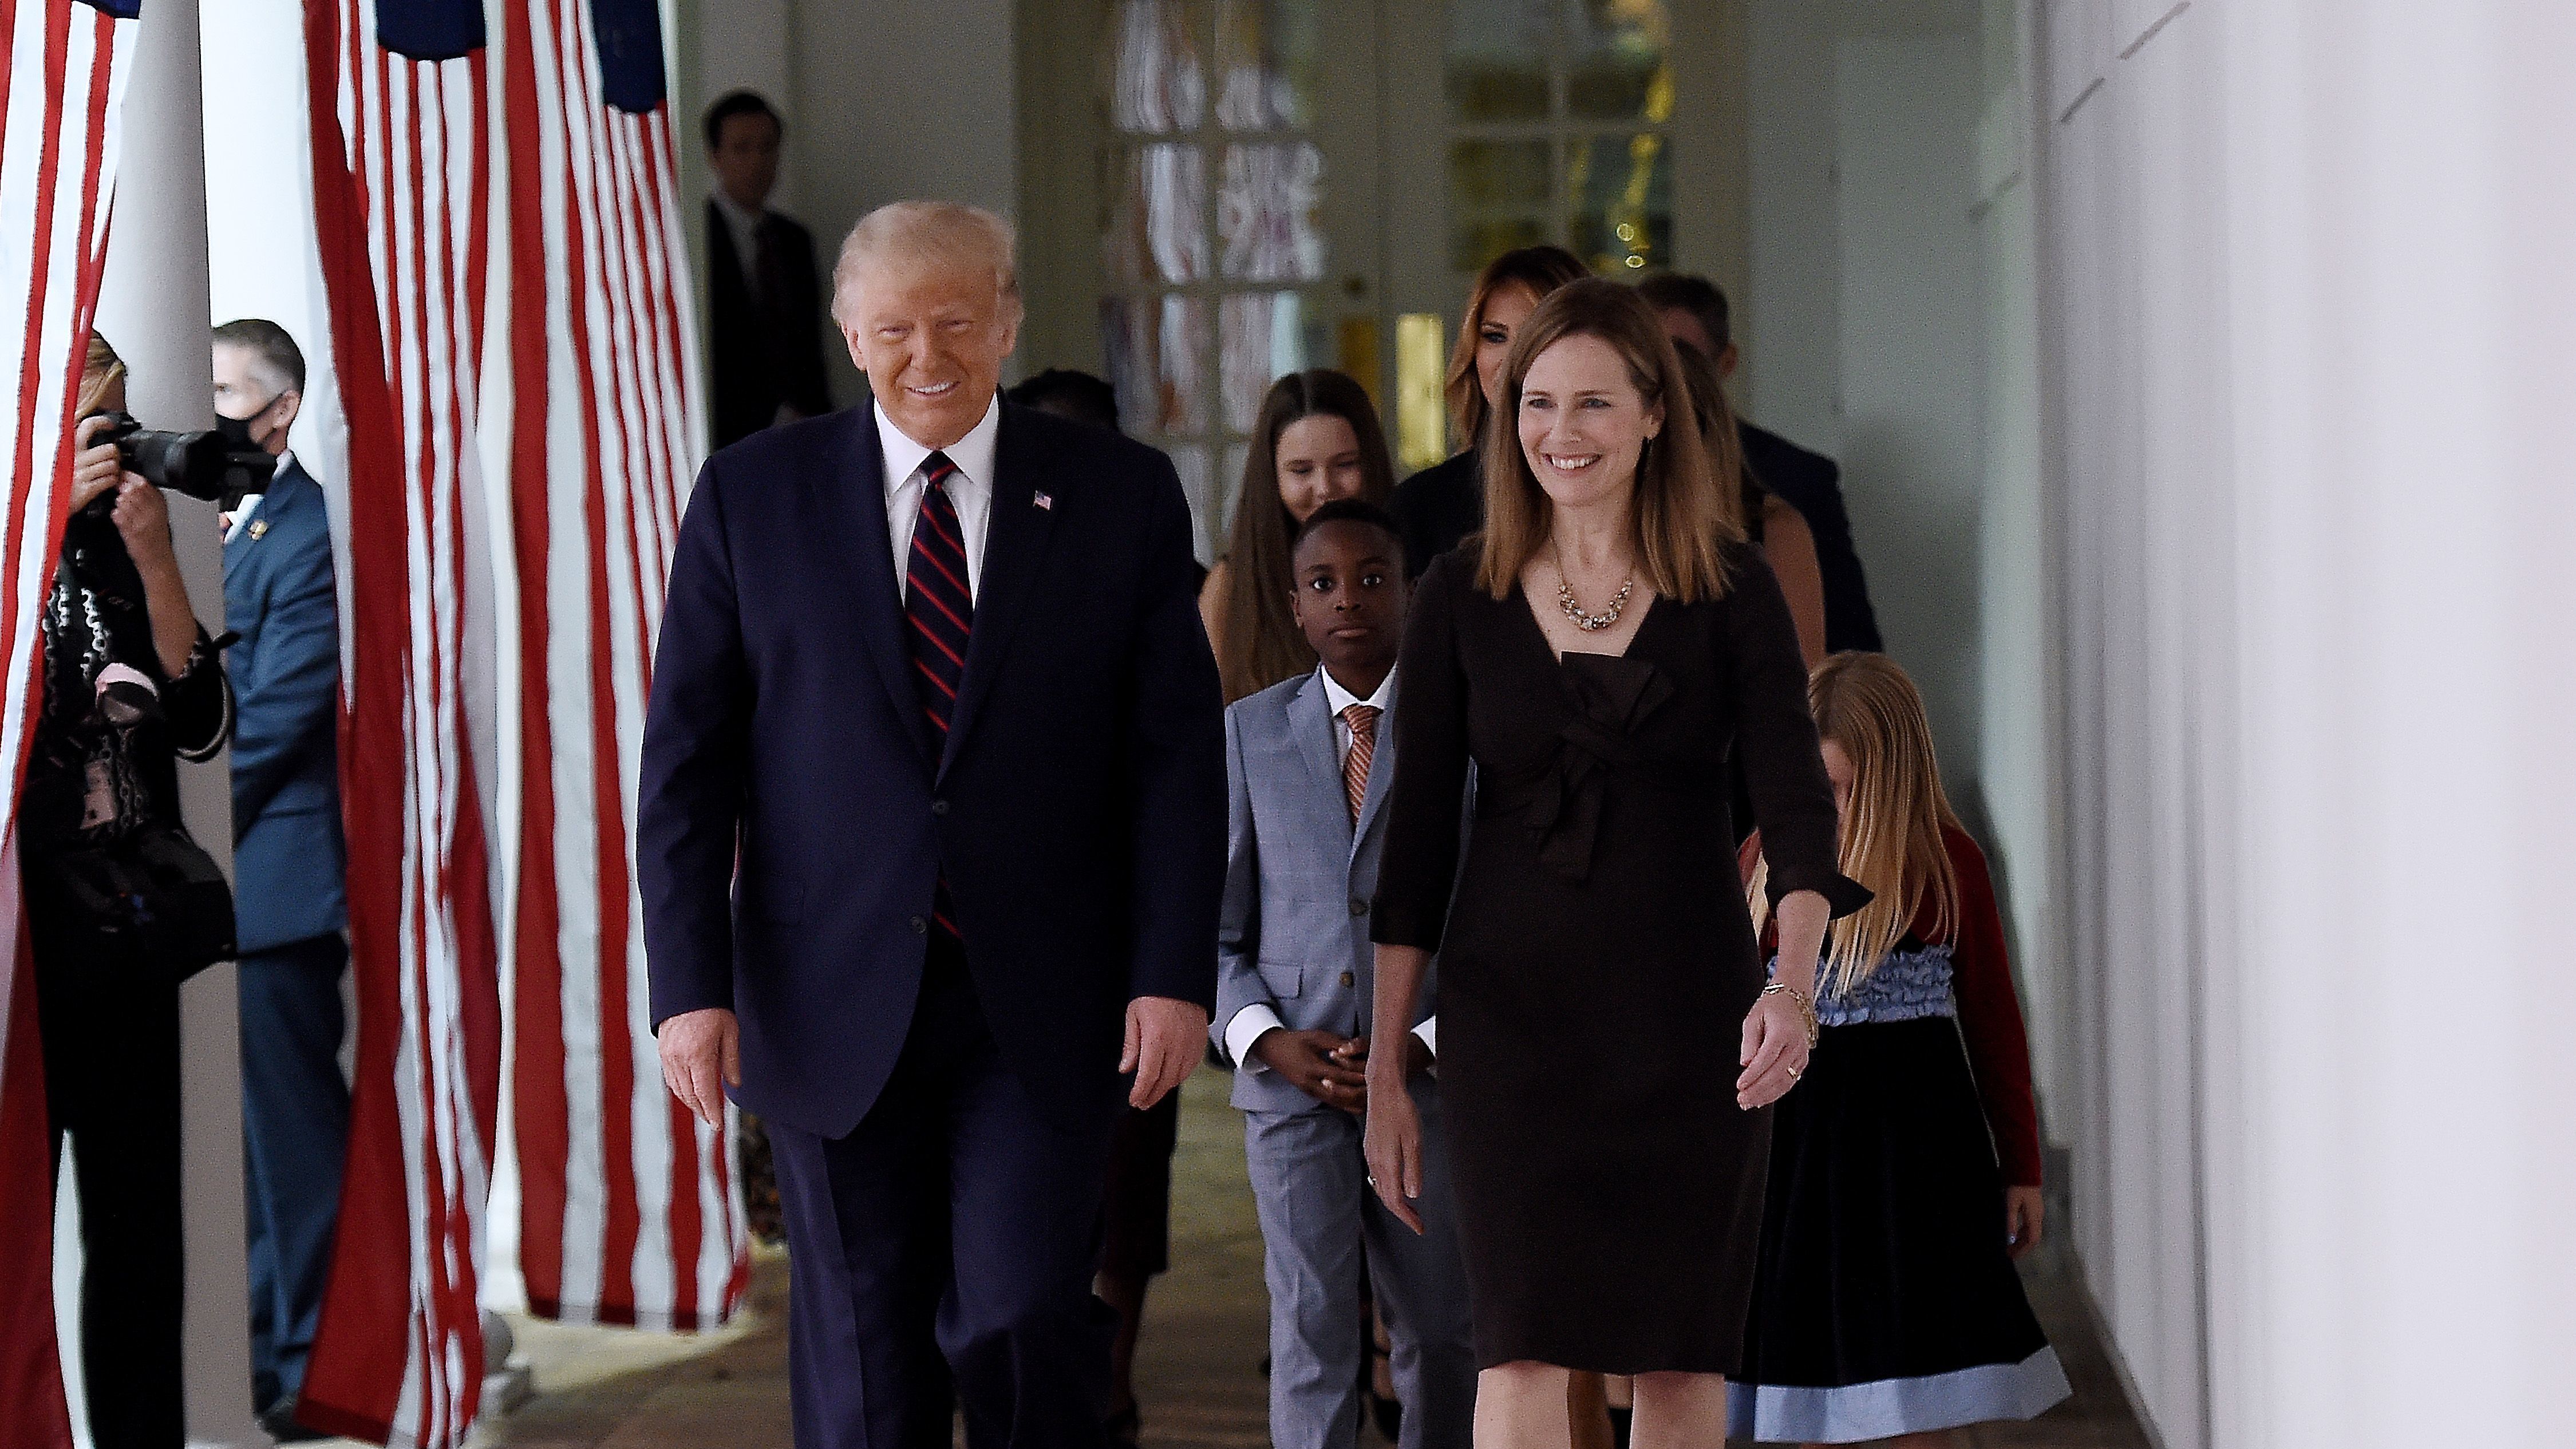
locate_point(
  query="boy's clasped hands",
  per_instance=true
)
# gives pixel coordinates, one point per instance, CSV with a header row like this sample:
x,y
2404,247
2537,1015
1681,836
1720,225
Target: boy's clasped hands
x,y
1330,1067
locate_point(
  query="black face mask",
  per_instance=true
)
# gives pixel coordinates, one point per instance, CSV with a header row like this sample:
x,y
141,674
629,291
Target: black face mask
x,y
238,485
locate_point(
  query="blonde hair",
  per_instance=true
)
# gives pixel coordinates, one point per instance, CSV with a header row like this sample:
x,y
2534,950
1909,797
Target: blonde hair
x,y
928,236
1892,829
1680,522
101,369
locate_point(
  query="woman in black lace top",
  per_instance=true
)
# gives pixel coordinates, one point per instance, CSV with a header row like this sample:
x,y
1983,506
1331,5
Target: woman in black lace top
x,y
132,685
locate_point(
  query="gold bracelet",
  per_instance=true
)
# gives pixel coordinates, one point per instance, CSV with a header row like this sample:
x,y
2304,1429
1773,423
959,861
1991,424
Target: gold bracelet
x,y
1806,1008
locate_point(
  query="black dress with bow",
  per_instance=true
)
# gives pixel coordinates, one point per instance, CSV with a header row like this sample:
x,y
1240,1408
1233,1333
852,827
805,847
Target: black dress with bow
x,y
1598,961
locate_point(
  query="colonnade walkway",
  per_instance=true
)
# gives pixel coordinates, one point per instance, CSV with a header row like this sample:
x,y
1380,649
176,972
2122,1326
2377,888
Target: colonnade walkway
x,y
1196,1371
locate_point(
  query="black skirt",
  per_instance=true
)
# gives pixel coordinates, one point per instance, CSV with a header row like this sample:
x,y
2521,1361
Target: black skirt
x,y
1885,1300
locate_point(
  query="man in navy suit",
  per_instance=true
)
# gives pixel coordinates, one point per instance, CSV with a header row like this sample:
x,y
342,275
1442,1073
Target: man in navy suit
x,y
1694,314
290,901
930,670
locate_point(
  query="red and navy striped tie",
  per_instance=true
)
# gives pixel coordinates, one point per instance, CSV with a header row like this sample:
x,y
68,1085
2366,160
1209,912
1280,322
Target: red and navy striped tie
x,y
941,611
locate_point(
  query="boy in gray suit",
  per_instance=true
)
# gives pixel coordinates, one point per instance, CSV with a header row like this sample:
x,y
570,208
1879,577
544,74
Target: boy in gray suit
x,y
1309,762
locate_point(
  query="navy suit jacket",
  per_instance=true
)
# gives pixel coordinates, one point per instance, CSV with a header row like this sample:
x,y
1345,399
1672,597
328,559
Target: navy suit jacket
x,y
1812,484
289,859
1077,810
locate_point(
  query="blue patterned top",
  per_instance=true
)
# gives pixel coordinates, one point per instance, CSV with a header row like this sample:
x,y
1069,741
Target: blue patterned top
x,y
1911,983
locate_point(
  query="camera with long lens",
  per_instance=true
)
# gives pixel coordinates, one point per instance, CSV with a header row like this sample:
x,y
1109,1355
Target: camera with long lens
x,y
207,465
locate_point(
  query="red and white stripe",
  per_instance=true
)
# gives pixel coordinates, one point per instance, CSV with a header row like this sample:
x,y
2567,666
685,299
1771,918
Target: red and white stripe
x,y
58,142
629,1211
402,204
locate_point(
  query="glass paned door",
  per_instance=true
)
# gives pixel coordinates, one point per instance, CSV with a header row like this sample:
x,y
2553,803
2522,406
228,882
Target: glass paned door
x,y
1222,220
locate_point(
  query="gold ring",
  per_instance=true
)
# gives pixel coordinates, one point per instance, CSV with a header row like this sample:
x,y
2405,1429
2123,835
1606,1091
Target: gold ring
x,y
1793,1074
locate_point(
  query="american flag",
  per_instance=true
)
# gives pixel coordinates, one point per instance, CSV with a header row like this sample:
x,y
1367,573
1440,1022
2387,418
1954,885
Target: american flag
x,y
401,140
502,251
629,1211
58,139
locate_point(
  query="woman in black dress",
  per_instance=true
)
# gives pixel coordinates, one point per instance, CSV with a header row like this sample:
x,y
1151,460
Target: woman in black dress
x,y
1595,659
132,685
1445,502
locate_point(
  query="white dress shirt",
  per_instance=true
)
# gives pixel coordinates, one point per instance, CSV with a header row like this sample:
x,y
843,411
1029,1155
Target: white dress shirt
x,y
970,488
239,518
1249,1024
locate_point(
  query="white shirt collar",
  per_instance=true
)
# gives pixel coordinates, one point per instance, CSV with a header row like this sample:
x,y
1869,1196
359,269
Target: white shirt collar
x,y
242,511
741,217
1338,699
972,454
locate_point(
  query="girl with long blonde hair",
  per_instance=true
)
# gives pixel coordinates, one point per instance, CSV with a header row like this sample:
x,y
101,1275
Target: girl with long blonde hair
x,y
1885,1304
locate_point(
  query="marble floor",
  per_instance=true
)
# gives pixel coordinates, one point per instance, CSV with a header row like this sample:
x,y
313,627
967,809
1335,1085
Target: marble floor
x,y
606,1389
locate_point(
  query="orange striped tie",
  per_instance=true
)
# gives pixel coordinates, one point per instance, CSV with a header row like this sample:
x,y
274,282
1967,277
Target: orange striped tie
x,y
1362,718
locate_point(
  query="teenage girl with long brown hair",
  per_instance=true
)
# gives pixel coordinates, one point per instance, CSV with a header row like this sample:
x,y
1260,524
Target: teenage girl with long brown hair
x,y
1317,439
1905,1170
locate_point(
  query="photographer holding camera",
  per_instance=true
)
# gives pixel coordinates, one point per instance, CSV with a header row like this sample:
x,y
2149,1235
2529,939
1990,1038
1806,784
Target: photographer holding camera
x,y
121,905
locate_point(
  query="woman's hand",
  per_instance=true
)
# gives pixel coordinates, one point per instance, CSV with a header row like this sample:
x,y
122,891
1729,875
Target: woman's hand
x,y
95,470
1392,1139
143,516
1775,1051
2025,1212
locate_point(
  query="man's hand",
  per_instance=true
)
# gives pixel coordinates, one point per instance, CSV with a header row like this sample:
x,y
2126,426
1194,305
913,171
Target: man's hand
x,y
701,1056
1165,1038
1329,1068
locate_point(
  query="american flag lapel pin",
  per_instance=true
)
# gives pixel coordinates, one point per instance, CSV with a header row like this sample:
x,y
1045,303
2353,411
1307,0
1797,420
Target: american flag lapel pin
x,y
1045,502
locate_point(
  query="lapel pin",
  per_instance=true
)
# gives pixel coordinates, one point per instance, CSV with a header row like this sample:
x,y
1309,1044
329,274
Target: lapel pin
x,y
258,529
1045,502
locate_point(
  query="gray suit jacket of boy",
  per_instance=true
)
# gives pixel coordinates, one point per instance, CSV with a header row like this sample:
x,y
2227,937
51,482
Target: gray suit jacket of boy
x,y
1294,931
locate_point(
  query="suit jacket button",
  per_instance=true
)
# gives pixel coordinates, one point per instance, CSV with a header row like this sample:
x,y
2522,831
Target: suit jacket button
x,y
938,807
920,927
1349,980
1358,907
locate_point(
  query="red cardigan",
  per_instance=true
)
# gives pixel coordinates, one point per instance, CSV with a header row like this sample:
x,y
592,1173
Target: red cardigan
x,y
1989,1013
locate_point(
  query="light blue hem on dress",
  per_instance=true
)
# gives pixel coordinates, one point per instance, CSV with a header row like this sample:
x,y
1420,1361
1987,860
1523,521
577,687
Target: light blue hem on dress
x,y
1856,1413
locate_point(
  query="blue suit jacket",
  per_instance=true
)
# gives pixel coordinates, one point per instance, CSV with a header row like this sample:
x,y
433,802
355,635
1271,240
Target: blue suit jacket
x,y
280,597
1077,810
1299,876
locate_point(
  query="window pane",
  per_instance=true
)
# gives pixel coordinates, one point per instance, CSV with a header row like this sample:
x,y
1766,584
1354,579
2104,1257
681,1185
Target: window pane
x,y
1265,63
1191,462
1619,66
1263,338
1157,83
1498,199
1157,349
1158,231
1623,202
1421,374
1267,217
1230,484
1496,67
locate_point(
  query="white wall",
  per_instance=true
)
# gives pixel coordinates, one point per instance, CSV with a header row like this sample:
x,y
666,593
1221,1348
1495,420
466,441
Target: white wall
x,y
2308,315
885,100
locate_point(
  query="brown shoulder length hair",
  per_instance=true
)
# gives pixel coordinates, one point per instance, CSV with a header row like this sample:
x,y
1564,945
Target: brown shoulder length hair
x,y
1263,644
1681,519
1542,269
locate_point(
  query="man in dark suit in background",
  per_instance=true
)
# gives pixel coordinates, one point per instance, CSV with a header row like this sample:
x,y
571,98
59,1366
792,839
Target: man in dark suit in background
x,y
1695,314
290,888
931,670
765,328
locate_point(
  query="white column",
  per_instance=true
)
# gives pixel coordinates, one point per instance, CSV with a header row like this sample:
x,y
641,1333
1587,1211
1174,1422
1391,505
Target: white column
x,y
2401,217
153,306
